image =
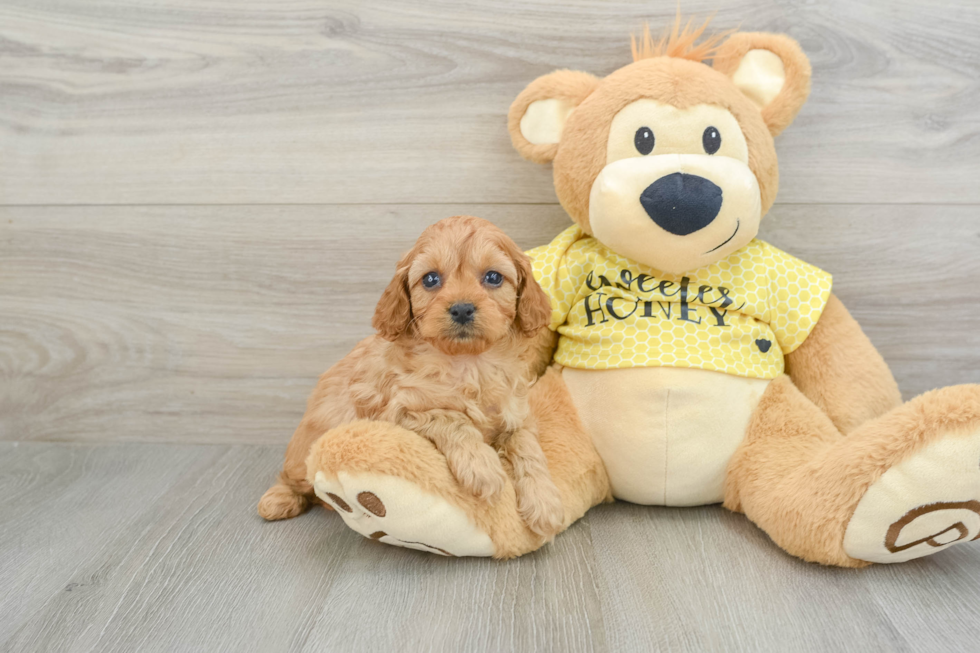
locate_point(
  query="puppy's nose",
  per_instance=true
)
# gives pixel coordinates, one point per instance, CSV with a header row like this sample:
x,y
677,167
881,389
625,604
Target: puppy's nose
x,y
682,204
462,313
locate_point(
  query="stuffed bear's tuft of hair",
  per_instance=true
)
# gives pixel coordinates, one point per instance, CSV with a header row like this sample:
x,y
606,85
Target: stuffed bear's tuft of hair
x,y
678,43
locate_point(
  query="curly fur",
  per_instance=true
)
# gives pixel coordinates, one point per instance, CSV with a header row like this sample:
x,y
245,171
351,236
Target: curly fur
x,y
463,387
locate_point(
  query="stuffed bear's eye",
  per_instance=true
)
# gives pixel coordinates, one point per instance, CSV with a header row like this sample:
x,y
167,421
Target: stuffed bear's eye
x,y
643,140
431,280
711,140
493,278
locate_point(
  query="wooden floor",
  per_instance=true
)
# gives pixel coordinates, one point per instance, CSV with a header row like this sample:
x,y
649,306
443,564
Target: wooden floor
x,y
200,202
146,547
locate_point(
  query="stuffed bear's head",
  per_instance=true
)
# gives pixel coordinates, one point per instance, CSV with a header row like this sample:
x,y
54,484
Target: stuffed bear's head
x,y
668,161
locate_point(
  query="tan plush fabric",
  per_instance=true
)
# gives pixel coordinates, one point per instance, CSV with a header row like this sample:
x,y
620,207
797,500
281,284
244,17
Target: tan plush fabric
x,y
581,155
388,450
799,479
569,87
576,467
782,109
682,83
761,76
398,512
620,222
926,502
543,120
660,430
768,481
841,372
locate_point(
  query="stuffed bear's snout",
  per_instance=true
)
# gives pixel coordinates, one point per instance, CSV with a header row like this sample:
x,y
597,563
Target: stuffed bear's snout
x,y
682,204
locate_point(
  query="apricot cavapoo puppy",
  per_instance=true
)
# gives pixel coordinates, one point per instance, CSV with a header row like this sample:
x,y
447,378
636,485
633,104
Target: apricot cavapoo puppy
x,y
449,362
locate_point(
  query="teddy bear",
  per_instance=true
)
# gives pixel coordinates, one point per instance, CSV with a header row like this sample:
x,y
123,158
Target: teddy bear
x,y
687,362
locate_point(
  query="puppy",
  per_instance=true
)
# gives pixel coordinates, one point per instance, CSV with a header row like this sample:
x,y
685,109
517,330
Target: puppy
x,y
450,362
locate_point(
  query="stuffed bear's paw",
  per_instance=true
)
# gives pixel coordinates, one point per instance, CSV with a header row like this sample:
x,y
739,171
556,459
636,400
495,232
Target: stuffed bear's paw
x,y
924,504
539,504
395,511
477,468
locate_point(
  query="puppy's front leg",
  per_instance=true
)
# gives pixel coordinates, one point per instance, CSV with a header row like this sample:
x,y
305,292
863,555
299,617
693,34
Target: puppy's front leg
x,y
538,498
474,463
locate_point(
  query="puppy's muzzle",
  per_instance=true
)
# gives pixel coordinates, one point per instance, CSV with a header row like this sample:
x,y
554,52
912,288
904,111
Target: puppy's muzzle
x,y
682,204
462,313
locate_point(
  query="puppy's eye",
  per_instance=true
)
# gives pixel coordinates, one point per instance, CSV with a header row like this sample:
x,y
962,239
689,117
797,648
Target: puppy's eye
x,y
431,280
493,278
643,140
711,139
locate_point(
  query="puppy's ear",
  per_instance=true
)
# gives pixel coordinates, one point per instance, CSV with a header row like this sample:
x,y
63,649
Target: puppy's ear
x,y
769,69
394,311
539,113
533,305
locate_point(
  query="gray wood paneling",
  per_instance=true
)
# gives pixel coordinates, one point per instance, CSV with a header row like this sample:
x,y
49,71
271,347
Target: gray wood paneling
x,y
404,102
211,324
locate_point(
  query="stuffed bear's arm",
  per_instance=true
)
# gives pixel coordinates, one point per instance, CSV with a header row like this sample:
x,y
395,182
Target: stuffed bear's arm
x,y
550,265
840,371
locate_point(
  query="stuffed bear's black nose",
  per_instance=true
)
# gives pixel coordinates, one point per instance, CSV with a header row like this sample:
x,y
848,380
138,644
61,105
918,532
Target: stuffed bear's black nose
x,y
462,313
682,204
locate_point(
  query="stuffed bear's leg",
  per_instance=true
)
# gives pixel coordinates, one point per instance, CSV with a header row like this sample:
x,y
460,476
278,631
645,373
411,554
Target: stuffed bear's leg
x,y
901,486
392,485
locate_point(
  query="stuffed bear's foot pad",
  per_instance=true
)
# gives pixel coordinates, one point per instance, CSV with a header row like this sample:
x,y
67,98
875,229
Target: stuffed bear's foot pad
x,y
923,505
395,511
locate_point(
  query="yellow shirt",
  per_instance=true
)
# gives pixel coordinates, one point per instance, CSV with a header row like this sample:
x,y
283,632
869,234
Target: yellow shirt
x,y
738,316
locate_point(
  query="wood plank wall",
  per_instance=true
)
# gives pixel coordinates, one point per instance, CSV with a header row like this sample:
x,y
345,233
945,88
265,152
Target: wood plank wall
x,y
201,201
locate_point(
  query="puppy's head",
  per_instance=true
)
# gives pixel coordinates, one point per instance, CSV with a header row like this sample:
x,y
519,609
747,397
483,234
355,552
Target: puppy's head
x,y
462,287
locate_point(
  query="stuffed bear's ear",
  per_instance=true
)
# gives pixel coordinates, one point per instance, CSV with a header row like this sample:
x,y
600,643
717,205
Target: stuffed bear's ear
x,y
538,115
769,69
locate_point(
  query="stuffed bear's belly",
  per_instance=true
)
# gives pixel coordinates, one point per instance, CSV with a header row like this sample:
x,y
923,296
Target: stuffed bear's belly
x,y
666,434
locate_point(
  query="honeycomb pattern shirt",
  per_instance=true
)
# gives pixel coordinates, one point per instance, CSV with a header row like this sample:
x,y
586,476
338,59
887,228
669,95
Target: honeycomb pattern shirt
x,y
738,316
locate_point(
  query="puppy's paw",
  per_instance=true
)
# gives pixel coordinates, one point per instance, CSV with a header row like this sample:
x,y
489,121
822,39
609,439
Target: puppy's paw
x,y
539,504
281,502
478,469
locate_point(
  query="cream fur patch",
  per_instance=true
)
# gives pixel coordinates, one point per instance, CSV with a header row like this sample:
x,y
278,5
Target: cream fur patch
x,y
761,75
675,131
620,222
544,120
398,512
665,434
921,505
